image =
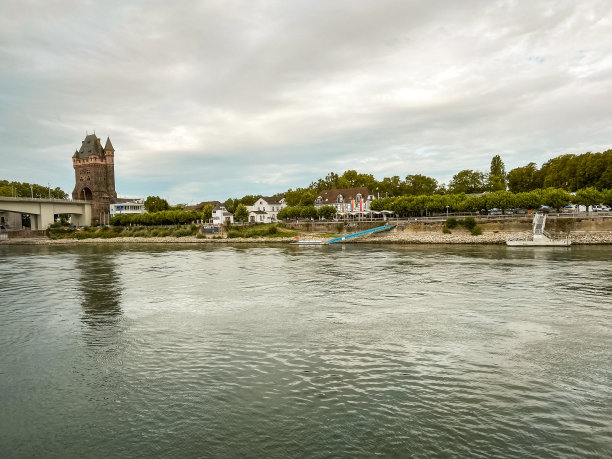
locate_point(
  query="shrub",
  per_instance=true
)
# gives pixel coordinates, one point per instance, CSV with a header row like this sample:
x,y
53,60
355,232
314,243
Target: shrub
x,y
451,223
446,230
469,223
476,231
233,233
182,232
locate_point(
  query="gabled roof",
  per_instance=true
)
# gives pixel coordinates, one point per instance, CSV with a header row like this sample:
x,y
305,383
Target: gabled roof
x,y
90,146
331,196
270,199
109,145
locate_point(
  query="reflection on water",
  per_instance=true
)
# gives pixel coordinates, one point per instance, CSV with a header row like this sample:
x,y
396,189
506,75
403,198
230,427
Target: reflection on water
x,y
99,287
286,351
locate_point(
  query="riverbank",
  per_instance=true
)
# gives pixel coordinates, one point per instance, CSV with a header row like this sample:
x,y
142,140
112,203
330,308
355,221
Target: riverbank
x,y
396,236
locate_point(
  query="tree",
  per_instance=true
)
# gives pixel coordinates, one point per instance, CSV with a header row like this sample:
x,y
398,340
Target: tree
x,y
241,214
207,212
308,212
29,190
230,205
300,197
467,181
497,175
155,204
326,212
524,179
589,197
248,200
420,184
555,197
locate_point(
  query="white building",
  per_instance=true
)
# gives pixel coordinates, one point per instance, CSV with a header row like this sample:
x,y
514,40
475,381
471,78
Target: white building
x,y
220,216
135,206
265,209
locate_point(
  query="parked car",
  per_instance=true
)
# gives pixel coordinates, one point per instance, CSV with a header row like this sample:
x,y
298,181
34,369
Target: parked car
x,y
601,208
570,208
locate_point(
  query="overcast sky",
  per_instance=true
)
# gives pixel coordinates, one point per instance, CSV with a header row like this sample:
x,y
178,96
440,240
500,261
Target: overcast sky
x,y
213,99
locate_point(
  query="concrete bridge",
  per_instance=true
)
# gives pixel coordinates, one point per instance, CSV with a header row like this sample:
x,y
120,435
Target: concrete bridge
x,y
42,211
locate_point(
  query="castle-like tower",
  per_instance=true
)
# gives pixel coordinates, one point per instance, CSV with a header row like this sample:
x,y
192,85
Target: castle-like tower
x,y
94,171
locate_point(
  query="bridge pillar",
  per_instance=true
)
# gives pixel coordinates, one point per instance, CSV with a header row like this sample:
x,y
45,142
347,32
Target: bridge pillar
x,y
34,221
84,218
46,216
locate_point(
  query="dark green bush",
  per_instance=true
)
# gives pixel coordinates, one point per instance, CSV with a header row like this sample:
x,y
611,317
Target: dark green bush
x,y
476,231
451,222
469,223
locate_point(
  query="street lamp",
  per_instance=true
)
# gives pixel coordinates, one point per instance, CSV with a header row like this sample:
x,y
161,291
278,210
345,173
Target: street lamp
x,y
446,211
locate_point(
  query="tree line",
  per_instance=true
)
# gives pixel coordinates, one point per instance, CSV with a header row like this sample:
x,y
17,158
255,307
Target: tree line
x,y
30,190
567,172
407,206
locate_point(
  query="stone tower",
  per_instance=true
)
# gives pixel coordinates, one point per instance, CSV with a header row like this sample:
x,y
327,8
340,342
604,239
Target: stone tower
x,y
94,171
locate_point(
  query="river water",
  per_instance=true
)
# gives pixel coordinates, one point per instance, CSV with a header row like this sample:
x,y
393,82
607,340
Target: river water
x,y
281,351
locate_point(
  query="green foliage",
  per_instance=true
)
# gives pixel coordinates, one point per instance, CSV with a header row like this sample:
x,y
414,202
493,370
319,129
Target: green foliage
x,y
301,197
166,217
555,197
241,214
446,230
326,212
467,181
308,212
382,204
607,197
523,179
256,231
118,231
207,212
476,231
496,180
155,204
469,223
420,185
575,172
29,190
589,196
230,205
451,223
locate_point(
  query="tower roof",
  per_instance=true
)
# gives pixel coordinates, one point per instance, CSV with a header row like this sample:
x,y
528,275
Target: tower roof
x,y
90,146
109,145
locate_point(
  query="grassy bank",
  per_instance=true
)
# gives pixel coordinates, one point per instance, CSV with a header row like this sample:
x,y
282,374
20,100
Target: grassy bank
x,y
107,232
57,231
258,231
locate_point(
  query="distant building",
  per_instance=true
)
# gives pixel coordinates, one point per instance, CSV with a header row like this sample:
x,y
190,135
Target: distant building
x,y
265,209
94,171
134,206
346,200
221,216
200,207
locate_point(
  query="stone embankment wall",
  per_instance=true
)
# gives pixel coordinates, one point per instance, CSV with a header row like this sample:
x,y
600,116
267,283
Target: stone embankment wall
x,y
591,230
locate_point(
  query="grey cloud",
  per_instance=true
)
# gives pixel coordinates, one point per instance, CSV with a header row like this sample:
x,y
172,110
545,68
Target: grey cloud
x,y
276,94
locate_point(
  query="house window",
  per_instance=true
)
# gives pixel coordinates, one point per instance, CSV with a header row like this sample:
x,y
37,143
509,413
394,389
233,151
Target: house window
x,y
339,198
